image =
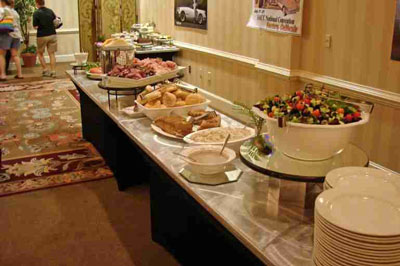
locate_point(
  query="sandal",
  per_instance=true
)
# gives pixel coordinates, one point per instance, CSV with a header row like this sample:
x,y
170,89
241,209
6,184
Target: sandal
x,y
17,77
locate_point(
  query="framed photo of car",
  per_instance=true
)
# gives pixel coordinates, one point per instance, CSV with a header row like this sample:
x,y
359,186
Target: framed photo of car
x,y
191,13
396,34
283,16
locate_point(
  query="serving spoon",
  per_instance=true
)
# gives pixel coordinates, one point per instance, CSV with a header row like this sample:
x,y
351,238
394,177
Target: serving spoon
x,y
226,142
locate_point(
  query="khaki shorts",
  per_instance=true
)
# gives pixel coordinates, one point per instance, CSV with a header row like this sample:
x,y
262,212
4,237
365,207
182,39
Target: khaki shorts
x,y
49,41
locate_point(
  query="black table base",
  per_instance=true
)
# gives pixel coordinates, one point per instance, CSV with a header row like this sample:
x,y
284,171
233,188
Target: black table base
x,y
178,222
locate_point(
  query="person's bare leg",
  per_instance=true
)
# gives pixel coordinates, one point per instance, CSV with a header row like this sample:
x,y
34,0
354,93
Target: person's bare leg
x,y
2,64
52,56
42,61
17,61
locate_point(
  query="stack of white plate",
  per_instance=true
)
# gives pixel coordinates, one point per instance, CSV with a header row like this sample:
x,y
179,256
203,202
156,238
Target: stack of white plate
x,y
358,225
361,177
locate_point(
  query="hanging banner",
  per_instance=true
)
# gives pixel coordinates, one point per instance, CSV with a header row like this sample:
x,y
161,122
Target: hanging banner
x,y
284,16
396,34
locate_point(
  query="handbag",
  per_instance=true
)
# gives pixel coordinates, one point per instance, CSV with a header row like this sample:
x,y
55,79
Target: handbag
x,y
7,24
57,22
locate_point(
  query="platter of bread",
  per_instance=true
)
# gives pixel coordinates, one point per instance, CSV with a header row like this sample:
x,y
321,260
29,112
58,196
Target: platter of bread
x,y
116,44
169,99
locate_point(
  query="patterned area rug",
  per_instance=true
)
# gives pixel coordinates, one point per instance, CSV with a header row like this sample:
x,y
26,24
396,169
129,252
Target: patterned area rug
x,y
41,139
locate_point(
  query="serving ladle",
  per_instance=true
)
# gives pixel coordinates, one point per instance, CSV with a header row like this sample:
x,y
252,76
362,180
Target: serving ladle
x,y
225,142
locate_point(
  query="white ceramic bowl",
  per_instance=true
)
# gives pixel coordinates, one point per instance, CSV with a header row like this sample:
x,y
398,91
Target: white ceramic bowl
x,y
310,142
81,58
212,167
233,144
154,113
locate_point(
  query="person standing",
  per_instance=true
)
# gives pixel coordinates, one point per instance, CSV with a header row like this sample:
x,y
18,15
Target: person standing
x,y
195,10
46,36
16,40
7,40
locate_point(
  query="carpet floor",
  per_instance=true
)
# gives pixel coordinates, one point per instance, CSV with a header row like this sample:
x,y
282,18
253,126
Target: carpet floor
x,y
41,138
89,223
84,224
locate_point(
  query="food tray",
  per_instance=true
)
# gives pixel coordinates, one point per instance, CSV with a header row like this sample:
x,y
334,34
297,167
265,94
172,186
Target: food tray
x,y
154,113
94,76
117,82
119,48
163,133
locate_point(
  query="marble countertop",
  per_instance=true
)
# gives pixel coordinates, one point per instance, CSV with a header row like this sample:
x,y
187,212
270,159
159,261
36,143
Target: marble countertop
x,y
275,234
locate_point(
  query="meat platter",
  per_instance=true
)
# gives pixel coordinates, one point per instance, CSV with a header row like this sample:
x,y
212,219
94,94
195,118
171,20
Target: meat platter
x,y
141,73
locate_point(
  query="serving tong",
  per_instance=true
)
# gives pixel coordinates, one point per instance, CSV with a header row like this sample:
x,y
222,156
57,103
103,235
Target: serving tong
x,y
210,114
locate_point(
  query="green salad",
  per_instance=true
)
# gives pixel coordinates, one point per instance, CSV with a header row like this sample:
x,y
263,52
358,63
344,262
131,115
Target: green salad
x,y
310,106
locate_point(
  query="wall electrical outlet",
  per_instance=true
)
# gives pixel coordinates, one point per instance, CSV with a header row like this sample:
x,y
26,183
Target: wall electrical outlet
x,y
209,76
328,41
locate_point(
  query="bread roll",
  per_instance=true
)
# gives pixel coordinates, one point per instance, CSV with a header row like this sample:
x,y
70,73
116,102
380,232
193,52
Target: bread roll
x,y
180,103
153,104
150,97
182,94
193,99
169,99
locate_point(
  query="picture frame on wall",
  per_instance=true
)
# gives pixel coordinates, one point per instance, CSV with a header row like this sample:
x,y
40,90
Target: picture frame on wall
x,y
282,16
191,14
396,34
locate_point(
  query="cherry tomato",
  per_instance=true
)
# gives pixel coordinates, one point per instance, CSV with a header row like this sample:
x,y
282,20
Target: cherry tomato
x,y
357,115
307,101
299,93
349,117
340,111
317,113
277,99
271,114
300,106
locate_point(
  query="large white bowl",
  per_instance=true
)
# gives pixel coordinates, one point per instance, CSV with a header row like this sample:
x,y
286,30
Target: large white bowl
x,y
233,144
209,168
310,142
154,113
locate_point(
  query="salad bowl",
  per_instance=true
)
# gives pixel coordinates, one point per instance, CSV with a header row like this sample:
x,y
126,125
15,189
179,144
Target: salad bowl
x,y
310,126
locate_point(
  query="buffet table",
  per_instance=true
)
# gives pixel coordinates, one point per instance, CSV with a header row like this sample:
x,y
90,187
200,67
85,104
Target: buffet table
x,y
225,224
165,54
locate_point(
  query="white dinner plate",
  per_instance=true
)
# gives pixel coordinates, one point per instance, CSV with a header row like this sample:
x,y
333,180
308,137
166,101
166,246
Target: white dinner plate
x,y
95,76
367,212
163,133
368,178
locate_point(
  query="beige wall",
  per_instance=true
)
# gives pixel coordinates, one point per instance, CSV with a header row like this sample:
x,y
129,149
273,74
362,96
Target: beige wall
x,y
68,35
361,33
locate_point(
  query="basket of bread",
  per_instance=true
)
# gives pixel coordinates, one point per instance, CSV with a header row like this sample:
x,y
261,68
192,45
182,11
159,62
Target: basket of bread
x,y
167,99
117,44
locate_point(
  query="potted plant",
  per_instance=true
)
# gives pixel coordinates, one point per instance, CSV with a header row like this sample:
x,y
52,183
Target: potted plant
x,y
25,9
29,56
